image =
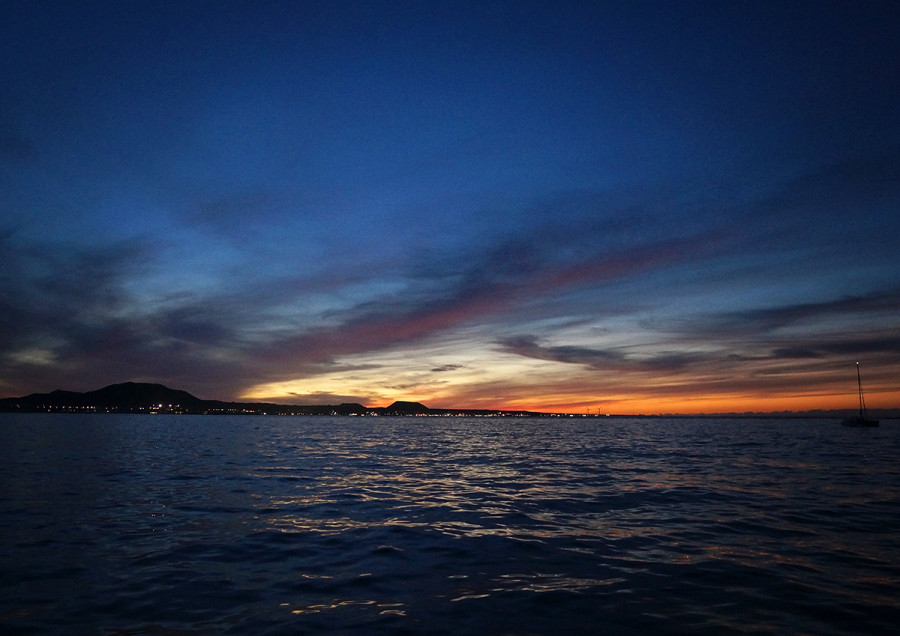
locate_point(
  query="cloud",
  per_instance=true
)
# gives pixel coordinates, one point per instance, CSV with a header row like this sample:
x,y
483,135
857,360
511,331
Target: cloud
x,y
78,307
53,288
87,301
322,397
200,323
477,286
829,211
884,303
795,353
447,367
82,308
529,347
885,343
600,359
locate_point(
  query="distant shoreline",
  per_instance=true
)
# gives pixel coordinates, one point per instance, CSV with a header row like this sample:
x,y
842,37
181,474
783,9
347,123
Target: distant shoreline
x,y
144,398
490,415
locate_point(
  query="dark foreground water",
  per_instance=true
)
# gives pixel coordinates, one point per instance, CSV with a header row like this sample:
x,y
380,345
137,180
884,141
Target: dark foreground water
x,y
264,525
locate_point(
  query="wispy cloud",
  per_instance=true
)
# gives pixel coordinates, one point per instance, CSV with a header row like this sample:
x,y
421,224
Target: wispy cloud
x,y
447,367
600,359
880,306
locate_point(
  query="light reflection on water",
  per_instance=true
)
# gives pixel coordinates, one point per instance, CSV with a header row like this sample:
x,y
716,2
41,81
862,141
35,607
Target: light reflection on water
x,y
185,524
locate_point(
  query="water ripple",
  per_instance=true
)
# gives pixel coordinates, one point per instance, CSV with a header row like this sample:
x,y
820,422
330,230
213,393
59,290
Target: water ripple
x,y
136,525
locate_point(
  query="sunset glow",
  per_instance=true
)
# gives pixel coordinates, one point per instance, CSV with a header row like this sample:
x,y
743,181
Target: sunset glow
x,y
598,207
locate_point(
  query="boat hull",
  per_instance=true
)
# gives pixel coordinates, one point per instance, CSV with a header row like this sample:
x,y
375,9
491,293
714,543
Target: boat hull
x,y
859,421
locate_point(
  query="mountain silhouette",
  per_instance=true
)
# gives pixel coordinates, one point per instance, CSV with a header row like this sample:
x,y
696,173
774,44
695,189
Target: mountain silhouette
x,y
406,408
128,396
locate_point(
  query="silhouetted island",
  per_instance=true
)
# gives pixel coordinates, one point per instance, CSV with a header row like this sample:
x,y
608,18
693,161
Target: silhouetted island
x,y
138,397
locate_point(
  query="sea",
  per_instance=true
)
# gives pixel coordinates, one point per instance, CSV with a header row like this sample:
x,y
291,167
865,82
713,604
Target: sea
x,y
191,524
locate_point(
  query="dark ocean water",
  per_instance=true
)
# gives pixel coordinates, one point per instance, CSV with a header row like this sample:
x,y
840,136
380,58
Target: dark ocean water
x,y
265,525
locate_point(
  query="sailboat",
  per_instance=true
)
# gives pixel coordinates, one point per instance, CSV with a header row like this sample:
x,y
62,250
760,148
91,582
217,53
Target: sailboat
x,y
862,419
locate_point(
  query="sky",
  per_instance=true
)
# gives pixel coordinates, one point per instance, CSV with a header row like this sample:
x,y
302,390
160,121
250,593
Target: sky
x,y
604,207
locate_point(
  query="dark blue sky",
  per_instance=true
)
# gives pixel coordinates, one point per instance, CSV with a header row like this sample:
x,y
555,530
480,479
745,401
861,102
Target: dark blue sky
x,y
632,207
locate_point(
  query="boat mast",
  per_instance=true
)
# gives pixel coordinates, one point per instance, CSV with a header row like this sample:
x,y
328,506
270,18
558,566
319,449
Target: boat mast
x,y
862,402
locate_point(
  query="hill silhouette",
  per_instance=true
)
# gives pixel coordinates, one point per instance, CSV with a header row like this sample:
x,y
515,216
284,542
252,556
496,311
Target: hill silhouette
x,y
406,408
128,396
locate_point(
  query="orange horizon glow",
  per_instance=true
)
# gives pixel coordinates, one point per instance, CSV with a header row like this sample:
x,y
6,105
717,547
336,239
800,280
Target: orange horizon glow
x,y
643,405
696,405
454,377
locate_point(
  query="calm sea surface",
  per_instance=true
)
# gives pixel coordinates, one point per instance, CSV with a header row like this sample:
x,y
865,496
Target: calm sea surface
x,y
264,525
